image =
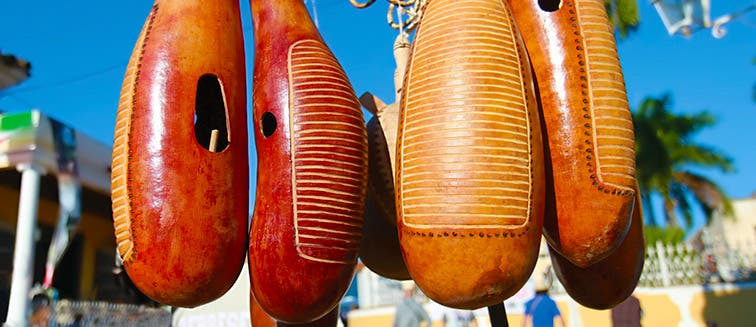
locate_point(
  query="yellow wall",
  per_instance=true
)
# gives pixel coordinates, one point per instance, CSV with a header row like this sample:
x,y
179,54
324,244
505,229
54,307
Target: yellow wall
x,y
590,317
659,310
371,320
727,308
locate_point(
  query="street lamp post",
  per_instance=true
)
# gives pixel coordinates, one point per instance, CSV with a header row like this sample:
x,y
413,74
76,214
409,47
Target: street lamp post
x,y
687,16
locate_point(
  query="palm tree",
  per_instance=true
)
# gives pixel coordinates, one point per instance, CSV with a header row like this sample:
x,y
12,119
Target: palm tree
x,y
665,150
624,15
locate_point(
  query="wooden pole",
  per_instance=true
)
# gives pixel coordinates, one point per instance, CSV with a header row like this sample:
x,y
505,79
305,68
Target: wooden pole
x,y
497,313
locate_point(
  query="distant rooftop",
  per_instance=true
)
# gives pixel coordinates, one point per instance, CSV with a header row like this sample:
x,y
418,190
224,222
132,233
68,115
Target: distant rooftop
x,y
13,70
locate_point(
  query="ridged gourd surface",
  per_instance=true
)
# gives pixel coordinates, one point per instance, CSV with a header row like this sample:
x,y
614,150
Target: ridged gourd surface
x,y
329,152
120,189
612,123
465,145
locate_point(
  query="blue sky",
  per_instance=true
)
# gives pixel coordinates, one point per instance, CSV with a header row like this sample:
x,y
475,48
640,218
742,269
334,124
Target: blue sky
x,y
79,51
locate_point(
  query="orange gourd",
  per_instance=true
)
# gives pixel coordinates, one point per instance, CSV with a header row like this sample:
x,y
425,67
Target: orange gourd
x,y
588,126
610,281
469,167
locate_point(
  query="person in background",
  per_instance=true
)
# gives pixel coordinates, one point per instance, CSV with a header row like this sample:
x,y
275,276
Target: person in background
x,y
409,313
458,318
40,316
344,312
628,313
541,310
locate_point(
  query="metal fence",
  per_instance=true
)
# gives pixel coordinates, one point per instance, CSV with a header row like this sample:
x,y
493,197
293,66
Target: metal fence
x,y
81,314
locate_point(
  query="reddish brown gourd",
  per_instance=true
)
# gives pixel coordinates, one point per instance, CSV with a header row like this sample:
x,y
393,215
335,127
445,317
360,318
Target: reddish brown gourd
x,y
587,121
469,167
261,319
610,281
312,167
381,143
379,249
180,188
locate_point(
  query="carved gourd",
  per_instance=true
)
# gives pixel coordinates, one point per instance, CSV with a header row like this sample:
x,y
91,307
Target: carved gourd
x,y
591,158
259,318
380,250
469,167
312,167
180,170
610,281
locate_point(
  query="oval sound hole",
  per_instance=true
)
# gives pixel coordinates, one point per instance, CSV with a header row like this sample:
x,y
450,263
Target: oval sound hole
x,y
268,124
210,127
549,5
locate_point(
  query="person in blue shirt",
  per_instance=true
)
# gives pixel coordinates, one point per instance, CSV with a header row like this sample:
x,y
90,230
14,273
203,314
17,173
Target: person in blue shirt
x,y
541,310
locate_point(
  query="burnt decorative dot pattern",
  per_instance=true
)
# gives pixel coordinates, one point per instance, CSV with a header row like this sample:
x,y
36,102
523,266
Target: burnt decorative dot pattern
x,y
618,183
121,189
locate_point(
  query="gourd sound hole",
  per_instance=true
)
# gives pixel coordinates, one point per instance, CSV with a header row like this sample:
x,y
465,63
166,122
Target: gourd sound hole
x,y
210,123
268,124
549,5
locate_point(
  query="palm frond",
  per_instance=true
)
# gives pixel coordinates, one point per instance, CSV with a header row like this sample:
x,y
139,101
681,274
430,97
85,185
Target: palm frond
x,y
680,198
649,217
707,193
687,125
624,16
702,156
665,145
669,211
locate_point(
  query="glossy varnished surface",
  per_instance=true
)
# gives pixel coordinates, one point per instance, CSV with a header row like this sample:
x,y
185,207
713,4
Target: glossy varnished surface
x,y
180,211
469,156
328,155
610,281
312,168
589,130
261,319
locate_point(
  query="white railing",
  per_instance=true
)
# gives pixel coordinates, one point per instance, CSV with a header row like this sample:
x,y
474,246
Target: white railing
x,y
665,265
668,265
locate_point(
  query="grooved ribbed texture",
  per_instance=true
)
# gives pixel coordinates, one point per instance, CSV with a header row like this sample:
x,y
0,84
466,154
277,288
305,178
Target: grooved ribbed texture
x,y
613,125
328,152
119,166
466,157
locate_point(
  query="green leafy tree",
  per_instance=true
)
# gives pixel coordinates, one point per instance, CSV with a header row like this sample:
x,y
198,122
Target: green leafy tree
x,y
624,14
671,235
665,151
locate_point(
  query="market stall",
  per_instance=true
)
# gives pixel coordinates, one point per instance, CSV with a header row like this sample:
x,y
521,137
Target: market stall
x,y
58,179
